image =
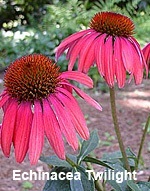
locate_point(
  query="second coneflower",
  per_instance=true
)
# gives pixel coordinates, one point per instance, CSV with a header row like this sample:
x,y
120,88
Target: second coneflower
x,y
38,100
108,43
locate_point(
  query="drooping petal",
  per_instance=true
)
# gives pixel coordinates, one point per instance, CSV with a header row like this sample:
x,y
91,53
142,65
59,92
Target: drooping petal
x,y
90,59
37,134
127,54
64,121
3,100
77,49
3,93
146,53
140,54
138,64
109,68
77,116
22,131
99,46
83,95
70,48
52,130
78,76
85,51
60,49
120,71
8,126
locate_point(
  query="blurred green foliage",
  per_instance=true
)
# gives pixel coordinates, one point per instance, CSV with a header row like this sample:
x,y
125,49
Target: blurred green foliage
x,y
45,24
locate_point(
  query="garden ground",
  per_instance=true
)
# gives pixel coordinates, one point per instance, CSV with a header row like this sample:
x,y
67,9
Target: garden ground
x,y
133,106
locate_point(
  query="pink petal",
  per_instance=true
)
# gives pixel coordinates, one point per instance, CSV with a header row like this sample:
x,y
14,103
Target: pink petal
x,y
86,51
78,76
77,49
69,40
99,46
37,134
22,131
146,51
127,54
73,108
52,130
140,54
70,48
4,98
8,127
90,59
3,93
86,97
138,64
108,62
120,71
64,121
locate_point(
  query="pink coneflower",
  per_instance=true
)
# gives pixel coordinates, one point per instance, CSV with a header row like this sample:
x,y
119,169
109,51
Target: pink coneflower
x,y
146,52
38,100
108,43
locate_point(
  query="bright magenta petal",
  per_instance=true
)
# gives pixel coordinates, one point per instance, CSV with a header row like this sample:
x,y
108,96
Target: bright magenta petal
x,y
127,54
76,114
37,134
140,54
52,130
85,51
120,71
22,131
99,46
3,100
65,123
108,62
86,97
69,40
8,127
78,76
76,50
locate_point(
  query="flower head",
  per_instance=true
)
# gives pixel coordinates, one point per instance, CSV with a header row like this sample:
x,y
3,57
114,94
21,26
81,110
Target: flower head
x,y
146,52
108,43
38,100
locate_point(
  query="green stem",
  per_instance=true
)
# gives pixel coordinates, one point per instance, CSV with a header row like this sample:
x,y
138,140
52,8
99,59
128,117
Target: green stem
x,y
142,141
98,184
117,130
71,162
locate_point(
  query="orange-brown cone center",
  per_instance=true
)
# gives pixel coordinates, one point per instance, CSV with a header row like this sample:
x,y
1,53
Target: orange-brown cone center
x,y
31,77
112,24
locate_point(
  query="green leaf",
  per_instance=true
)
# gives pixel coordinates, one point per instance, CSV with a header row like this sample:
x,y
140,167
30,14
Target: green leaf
x,y
133,186
96,161
144,186
117,155
55,185
116,177
88,146
84,184
55,161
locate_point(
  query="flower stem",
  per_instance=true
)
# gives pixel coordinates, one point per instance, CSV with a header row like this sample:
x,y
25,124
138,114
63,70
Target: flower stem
x,y
117,130
98,185
71,162
142,141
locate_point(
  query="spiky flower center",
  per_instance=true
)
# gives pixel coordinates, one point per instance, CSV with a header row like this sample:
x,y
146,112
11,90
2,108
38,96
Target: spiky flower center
x,y
113,24
31,77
